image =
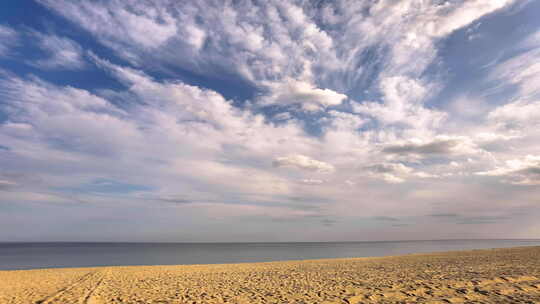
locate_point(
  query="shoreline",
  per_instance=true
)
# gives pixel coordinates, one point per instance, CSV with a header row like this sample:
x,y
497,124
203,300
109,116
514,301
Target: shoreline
x,y
498,275
32,256
284,242
282,261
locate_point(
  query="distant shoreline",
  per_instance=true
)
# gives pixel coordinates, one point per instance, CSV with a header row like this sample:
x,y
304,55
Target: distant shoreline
x,y
285,242
434,253
21,256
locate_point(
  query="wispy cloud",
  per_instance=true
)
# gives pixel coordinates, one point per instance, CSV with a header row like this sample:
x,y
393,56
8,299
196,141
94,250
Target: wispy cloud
x,y
8,38
61,52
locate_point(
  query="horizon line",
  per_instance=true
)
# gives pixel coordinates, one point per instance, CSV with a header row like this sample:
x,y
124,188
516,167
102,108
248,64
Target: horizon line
x,y
263,242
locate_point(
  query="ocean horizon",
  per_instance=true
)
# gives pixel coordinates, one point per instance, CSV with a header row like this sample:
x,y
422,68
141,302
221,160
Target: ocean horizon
x,y
37,255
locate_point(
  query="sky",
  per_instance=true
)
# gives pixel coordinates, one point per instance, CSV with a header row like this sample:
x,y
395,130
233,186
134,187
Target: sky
x,y
242,121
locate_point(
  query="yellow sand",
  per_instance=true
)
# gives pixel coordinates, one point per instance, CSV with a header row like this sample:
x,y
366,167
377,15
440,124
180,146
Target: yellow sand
x,y
480,276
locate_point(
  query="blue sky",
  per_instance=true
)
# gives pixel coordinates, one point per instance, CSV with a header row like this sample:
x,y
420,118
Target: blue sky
x,y
269,120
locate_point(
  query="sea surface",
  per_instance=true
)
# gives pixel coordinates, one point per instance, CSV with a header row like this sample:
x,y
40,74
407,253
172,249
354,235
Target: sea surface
x,y
56,255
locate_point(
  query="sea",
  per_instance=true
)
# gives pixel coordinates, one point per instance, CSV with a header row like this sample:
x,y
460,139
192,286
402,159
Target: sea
x,y
58,255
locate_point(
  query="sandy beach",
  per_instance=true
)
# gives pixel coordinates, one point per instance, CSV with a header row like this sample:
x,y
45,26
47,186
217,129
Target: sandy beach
x,y
478,276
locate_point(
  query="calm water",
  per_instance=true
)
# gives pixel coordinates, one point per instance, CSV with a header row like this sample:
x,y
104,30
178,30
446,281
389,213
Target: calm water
x,y
49,255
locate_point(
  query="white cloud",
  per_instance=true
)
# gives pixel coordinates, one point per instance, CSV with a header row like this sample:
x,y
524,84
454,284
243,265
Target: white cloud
x,y
392,179
63,53
303,54
355,70
520,115
390,168
402,104
514,123
80,137
282,116
8,38
404,34
417,35
303,162
532,41
389,172
303,93
195,36
522,71
525,171
120,23
311,181
268,41
279,40
395,173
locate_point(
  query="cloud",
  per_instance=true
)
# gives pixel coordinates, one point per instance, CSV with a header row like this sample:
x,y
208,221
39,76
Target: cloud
x,y
311,181
312,55
356,89
389,172
302,162
31,113
63,53
119,23
521,71
392,179
436,147
404,34
440,145
532,40
518,76
524,171
303,93
402,104
516,116
282,116
8,38
82,136
389,168
265,41
395,173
